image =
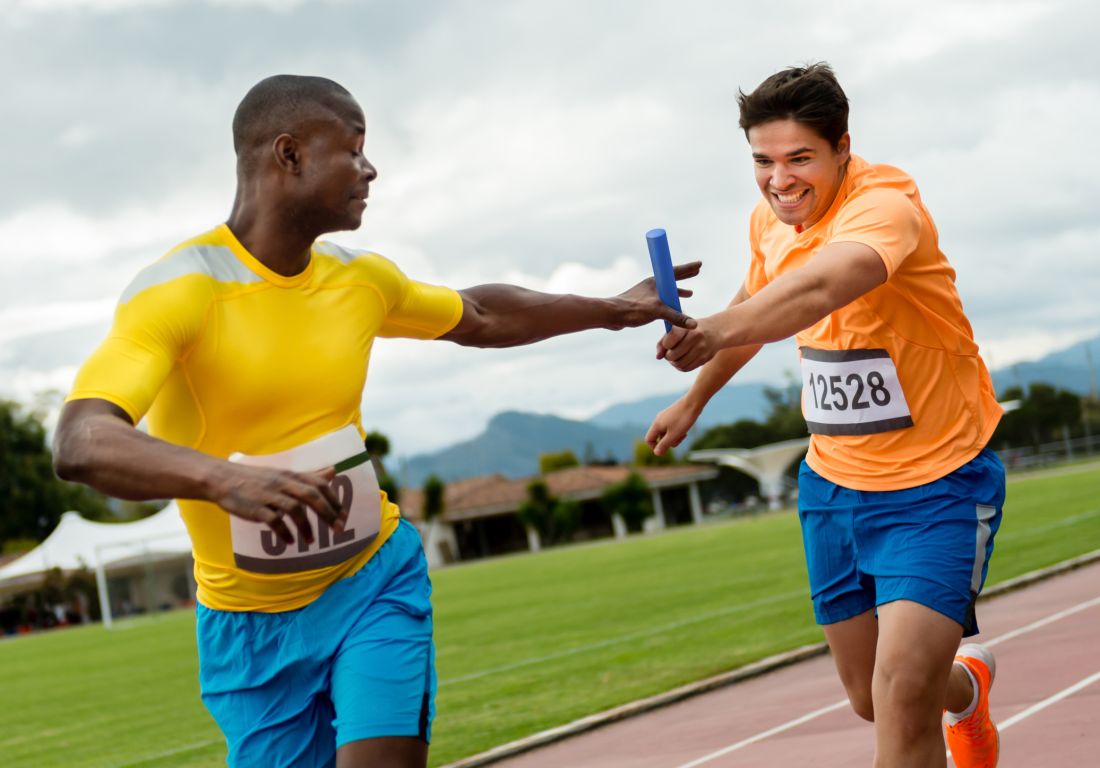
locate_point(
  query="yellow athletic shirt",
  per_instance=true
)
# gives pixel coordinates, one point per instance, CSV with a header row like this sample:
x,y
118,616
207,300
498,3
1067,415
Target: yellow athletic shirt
x,y
941,409
225,355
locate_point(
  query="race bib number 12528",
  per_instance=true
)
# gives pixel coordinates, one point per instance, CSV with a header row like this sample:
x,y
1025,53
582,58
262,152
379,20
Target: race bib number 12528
x,y
852,392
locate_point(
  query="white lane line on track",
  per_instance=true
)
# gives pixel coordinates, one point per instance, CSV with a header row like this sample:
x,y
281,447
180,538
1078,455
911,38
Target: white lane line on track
x,y
1043,622
1081,684
844,702
765,734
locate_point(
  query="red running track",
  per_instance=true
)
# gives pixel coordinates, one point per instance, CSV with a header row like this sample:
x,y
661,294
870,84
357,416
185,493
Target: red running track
x,y
1046,700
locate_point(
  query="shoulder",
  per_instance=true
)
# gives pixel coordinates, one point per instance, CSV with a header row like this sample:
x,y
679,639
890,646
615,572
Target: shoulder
x,y
340,264
879,183
193,270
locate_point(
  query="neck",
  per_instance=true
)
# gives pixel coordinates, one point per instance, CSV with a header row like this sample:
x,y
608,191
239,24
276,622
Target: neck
x,y
270,235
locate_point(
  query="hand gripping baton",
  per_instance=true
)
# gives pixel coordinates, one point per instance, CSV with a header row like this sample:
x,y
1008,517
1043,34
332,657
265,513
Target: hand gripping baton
x,y
661,259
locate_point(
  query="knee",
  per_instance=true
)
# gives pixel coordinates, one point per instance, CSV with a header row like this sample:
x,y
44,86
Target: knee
x,y
907,693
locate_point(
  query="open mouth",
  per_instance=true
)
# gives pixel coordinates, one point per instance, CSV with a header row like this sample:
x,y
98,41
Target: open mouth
x,y
791,199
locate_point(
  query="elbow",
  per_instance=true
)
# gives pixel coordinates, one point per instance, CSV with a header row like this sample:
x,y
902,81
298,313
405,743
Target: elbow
x,y
67,463
72,456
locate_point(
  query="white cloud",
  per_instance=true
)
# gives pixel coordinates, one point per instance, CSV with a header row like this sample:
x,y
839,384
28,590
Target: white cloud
x,y
36,319
523,142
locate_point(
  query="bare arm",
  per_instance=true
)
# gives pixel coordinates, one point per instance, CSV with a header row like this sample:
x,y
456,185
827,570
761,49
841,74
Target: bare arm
x,y
671,425
96,444
507,315
838,275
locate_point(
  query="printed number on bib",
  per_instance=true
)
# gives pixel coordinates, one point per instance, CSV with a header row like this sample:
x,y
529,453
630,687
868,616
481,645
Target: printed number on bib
x,y
256,548
852,392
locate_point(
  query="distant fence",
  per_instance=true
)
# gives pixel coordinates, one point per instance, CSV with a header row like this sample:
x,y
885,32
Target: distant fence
x,y
1050,453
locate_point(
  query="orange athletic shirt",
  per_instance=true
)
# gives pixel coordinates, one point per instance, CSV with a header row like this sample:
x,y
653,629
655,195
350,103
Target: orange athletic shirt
x,y
227,356
915,317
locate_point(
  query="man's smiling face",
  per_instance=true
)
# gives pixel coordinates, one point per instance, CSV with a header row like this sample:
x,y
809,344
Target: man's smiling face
x,y
797,170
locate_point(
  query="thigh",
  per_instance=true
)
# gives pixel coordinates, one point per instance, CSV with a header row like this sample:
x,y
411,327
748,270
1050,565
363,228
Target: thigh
x,y
383,675
852,644
264,689
840,591
916,647
931,544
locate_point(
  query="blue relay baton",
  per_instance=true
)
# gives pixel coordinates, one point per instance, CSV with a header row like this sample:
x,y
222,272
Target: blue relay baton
x,y
661,260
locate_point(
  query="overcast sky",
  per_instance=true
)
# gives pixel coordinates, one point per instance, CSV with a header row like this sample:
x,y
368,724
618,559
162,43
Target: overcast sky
x,y
535,142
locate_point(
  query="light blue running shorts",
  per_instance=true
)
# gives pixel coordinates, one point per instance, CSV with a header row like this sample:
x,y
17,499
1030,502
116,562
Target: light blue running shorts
x,y
288,689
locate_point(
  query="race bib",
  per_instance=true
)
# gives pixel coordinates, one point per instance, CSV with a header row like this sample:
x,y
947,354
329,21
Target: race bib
x,y
852,392
256,548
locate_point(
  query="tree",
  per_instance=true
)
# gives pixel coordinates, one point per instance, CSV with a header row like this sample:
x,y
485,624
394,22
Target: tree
x,y
434,504
377,447
1044,415
630,500
553,518
32,499
551,462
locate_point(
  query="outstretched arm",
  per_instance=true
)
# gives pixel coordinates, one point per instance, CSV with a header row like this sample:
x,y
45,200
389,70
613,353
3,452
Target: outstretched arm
x,y
838,275
500,315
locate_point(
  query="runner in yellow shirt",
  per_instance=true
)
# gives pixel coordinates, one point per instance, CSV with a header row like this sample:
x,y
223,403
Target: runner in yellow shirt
x,y
247,349
899,498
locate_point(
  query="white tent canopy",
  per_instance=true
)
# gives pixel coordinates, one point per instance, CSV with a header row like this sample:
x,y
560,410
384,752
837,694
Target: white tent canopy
x,y
78,543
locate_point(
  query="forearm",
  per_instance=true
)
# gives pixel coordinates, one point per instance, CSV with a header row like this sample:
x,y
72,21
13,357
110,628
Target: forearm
x,y
781,309
108,454
522,316
835,277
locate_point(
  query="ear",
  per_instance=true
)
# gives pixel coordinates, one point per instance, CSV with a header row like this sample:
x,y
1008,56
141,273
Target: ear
x,y
287,153
844,147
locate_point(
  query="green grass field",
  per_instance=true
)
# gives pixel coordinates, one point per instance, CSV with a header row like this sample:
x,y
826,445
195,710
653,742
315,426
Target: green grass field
x,y
524,643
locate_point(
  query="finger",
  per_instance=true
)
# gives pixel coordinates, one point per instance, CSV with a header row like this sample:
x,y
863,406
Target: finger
x,y
684,271
673,337
660,351
320,496
662,447
301,522
685,293
275,522
314,489
679,319
653,436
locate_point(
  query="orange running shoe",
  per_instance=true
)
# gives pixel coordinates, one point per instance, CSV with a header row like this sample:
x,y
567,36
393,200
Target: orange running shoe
x,y
974,741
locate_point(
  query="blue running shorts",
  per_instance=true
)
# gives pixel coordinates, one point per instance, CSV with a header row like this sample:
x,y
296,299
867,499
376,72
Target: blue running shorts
x,y
288,689
929,544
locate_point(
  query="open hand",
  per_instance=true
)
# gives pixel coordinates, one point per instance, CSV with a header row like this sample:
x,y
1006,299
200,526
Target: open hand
x,y
645,306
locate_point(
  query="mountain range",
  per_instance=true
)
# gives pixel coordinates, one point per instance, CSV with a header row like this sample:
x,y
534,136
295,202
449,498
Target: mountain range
x,y
513,440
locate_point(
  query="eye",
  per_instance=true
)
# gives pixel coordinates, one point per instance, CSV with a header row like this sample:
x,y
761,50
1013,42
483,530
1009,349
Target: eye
x,y
801,160
762,162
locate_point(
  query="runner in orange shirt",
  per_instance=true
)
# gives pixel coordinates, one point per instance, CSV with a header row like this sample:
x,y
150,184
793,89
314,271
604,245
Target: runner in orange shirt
x,y
899,498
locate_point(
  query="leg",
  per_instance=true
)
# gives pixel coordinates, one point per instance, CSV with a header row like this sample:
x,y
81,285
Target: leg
x,y
852,644
388,751
913,668
383,675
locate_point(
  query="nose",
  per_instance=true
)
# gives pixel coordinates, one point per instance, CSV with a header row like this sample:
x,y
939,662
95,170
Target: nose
x,y
781,176
370,173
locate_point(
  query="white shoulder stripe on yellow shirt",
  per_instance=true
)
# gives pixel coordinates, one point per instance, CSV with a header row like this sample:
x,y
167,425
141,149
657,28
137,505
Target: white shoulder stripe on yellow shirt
x,y
216,261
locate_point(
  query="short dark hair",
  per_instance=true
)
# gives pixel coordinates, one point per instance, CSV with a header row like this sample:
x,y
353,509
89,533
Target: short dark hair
x,y
279,104
809,95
